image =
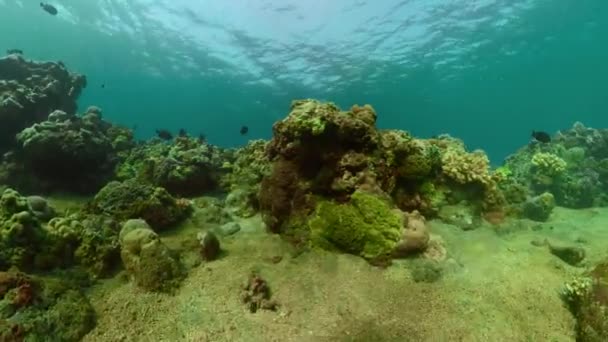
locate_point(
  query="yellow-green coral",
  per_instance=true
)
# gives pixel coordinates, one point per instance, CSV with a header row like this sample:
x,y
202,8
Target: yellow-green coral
x,y
466,167
365,226
548,164
309,115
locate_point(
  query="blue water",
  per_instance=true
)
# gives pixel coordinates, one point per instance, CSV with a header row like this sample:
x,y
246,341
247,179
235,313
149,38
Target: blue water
x,y
485,71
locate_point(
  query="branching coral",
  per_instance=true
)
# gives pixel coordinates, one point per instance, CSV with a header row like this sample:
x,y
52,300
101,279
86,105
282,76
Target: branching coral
x,y
548,164
464,167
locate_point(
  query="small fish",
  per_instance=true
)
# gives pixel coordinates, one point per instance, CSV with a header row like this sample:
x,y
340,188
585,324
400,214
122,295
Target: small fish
x,y
14,52
244,130
182,133
202,138
540,136
48,8
103,85
164,134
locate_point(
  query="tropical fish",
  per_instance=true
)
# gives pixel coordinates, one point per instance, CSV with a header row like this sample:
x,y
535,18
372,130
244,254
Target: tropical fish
x,y
244,130
540,136
14,52
48,8
164,134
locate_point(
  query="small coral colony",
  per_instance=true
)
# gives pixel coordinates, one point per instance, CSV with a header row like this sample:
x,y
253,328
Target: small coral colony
x,y
328,178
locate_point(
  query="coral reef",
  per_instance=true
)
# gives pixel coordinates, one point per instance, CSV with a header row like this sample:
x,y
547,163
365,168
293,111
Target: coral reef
x,y
149,262
30,90
36,309
132,199
187,166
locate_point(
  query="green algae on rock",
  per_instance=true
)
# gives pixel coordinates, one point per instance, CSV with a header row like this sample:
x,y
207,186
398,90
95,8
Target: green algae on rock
x,y
149,262
42,309
365,226
132,199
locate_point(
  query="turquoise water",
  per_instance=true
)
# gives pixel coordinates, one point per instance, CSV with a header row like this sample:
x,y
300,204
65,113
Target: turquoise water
x,y
485,71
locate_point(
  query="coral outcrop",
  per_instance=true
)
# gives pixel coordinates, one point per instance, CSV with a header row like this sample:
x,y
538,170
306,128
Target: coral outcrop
x,y
186,166
32,244
132,199
67,153
149,262
573,167
322,156
244,176
30,90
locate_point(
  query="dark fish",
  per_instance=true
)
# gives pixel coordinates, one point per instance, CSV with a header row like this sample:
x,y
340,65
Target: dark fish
x,y
50,9
182,133
103,85
540,136
244,130
202,138
14,52
164,134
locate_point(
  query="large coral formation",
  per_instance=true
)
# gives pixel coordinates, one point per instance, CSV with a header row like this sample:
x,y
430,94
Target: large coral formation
x,y
322,154
42,309
29,91
48,152
132,199
187,166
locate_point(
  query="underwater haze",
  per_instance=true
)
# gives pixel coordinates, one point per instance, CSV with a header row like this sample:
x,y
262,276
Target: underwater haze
x,y
488,72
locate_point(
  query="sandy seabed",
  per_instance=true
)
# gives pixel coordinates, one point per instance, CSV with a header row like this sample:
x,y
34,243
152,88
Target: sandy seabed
x,y
496,286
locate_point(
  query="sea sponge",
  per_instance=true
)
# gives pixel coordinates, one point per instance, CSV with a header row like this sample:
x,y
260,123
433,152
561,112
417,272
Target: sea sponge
x,y
365,226
548,164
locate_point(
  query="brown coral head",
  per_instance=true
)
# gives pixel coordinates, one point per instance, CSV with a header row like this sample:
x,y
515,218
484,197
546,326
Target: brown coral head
x,y
415,221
